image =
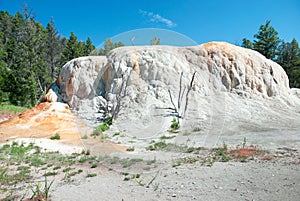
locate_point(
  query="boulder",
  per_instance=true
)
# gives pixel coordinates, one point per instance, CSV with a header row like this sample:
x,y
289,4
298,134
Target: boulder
x,y
50,97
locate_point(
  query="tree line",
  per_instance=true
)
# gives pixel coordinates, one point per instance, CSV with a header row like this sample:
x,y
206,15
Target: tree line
x,y
31,56
287,54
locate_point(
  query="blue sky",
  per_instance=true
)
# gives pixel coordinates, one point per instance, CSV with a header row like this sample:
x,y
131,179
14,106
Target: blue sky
x,y
199,20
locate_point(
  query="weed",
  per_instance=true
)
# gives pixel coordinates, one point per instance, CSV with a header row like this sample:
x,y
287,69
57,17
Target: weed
x,y
174,126
56,167
136,176
55,137
164,137
197,129
41,194
130,149
102,127
66,169
91,175
85,137
124,173
176,163
50,174
116,134
94,165
129,162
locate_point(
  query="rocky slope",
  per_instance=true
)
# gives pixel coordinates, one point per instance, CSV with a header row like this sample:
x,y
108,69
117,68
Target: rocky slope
x,y
234,90
220,92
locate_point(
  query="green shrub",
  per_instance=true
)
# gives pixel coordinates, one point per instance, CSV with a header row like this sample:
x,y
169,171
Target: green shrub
x,y
55,137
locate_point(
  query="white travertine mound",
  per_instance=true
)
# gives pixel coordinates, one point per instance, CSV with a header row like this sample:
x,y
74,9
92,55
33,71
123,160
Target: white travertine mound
x,y
234,89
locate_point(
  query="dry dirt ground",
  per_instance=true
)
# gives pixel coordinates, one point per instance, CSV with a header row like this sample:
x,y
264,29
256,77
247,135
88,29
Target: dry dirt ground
x,y
237,173
125,168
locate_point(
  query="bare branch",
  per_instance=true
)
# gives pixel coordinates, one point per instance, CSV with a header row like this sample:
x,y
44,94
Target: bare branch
x,y
180,87
172,101
187,93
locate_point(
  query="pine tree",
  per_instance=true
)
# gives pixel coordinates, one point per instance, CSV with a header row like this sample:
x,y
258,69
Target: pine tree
x,y
72,49
53,49
267,40
89,47
247,43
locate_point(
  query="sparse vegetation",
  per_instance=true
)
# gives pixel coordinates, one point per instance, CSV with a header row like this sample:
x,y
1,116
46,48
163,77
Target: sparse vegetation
x,y
164,137
174,126
102,127
55,137
91,175
130,149
197,129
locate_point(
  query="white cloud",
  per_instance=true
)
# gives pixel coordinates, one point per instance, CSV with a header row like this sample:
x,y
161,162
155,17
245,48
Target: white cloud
x,y
157,18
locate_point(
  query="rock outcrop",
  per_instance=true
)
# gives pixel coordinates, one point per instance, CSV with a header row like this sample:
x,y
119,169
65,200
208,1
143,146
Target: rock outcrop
x,y
153,70
218,87
50,97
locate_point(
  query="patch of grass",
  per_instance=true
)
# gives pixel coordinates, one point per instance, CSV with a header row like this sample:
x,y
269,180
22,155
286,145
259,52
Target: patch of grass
x,y
102,127
94,165
174,125
130,149
56,167
164,137
197,129
40,193
129,162
55,137
67,169
50,174
171,147
176,163
116,134
91,175
12,108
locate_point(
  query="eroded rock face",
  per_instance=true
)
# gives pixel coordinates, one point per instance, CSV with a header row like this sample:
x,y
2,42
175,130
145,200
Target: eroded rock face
x,y
139,80
80,79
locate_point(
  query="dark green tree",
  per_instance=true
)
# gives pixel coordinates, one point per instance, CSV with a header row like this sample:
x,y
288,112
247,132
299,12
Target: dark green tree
x,y
72,49
267,40
247,43
53,49
89,47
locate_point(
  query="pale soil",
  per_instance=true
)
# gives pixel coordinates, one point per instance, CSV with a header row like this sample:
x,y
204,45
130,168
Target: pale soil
x,y
271,176
276,179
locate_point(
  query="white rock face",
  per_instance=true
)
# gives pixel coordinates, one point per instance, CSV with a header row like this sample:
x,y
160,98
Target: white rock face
x,y
80,79
232,84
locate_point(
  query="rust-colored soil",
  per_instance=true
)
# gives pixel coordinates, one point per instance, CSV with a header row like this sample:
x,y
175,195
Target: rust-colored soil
x,y
47,119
